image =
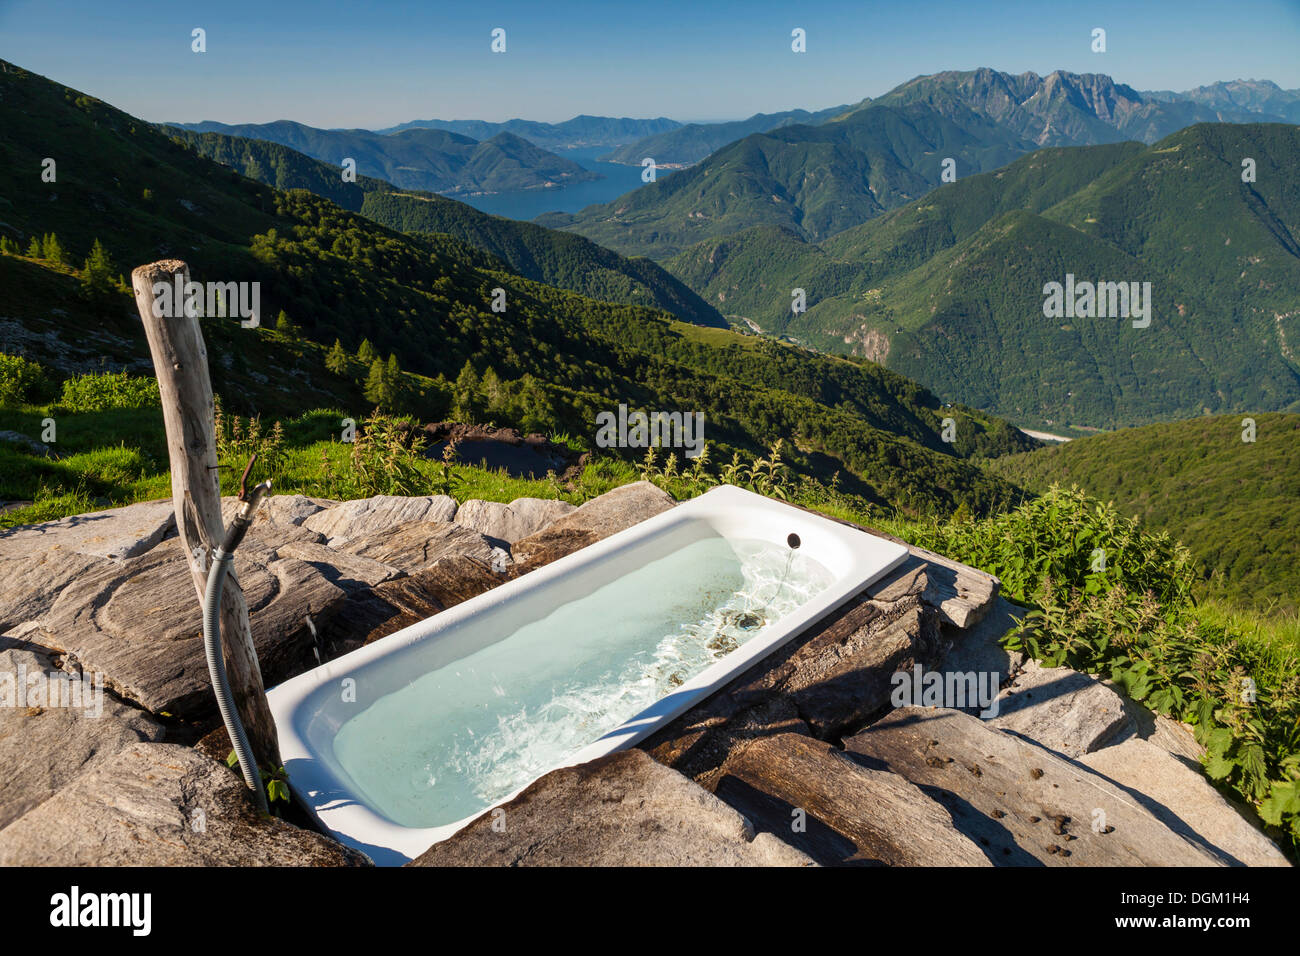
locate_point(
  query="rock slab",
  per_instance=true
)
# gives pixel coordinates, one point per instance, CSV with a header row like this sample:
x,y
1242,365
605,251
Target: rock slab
x,y
620,810
161,805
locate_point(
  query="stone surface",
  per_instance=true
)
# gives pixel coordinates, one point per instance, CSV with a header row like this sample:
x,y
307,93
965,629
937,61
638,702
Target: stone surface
x,y
116,534
44,741
596,519
417,544
139,623
31,580
825,681
349,571
1021,804
619,810
1061,709
278,509
817,800
978,650
396,604
510,523
1185,801
353,519
962,595
161,805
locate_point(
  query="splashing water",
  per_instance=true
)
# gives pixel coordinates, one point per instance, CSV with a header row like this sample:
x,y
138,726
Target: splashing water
x,y
459,738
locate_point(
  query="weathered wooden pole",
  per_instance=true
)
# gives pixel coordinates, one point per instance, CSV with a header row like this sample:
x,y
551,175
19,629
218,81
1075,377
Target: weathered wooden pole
x,y
181,363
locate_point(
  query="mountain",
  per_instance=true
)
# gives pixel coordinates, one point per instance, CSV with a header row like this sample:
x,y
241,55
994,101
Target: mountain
x,y
1062,109
581,132
684,145
430,159
555,358
1235,504
950,289
1262,97
560,259
812,180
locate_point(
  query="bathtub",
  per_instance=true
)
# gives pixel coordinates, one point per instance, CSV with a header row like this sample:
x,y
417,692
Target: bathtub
x,y
400,743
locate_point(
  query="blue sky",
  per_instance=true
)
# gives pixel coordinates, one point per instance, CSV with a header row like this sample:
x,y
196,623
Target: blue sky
x,y
329,63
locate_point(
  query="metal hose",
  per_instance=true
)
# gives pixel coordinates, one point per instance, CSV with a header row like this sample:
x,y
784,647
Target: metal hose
x,y
221,561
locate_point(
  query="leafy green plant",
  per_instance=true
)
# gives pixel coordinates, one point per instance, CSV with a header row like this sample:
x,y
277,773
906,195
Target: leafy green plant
x,y
20,379
100,391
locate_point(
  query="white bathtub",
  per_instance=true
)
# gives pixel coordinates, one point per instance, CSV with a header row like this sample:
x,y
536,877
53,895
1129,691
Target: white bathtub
x,y
313,711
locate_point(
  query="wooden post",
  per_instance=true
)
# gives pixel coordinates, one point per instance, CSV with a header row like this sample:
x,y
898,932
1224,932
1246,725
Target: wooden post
x,y
181,363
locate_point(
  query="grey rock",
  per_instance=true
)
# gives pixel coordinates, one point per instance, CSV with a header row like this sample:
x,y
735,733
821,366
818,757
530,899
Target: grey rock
x,y
1185,801
349,571
44,741
978,650
25,441
510,523
117,533
845,813
1020,803
1061,709
138,622
417,544
619,810
596,519
354,519
161,805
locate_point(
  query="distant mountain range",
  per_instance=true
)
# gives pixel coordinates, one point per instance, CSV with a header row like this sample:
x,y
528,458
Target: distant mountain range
x,y
949,289
577,133
1253,96
430,159
692,142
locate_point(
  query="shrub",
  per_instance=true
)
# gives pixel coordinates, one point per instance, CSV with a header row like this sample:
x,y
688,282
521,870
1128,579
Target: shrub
x,y
100,391
19,379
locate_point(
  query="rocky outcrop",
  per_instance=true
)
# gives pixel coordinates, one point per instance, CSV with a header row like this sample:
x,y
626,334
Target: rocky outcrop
x,y
621,810
816,799
117,533
1060,709
48,734
161,805
417,544
138,622
596,519
512,522
1021,804
354,519
1181,798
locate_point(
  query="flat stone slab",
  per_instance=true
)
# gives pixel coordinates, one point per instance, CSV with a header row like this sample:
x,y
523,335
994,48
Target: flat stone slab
x,y
1061,709
353,519
117,533
349,571
45,741
979,649
139,623
1185,801
1021,804
509,523
961,594
417,544
31,580
592,521
621,810
812,797
161,805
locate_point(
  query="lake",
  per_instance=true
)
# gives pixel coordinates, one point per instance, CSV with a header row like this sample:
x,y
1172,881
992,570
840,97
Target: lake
x,y
531,203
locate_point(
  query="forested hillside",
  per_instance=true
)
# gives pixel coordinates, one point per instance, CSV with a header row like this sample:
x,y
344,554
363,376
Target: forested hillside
x,y
554,258
1234,503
